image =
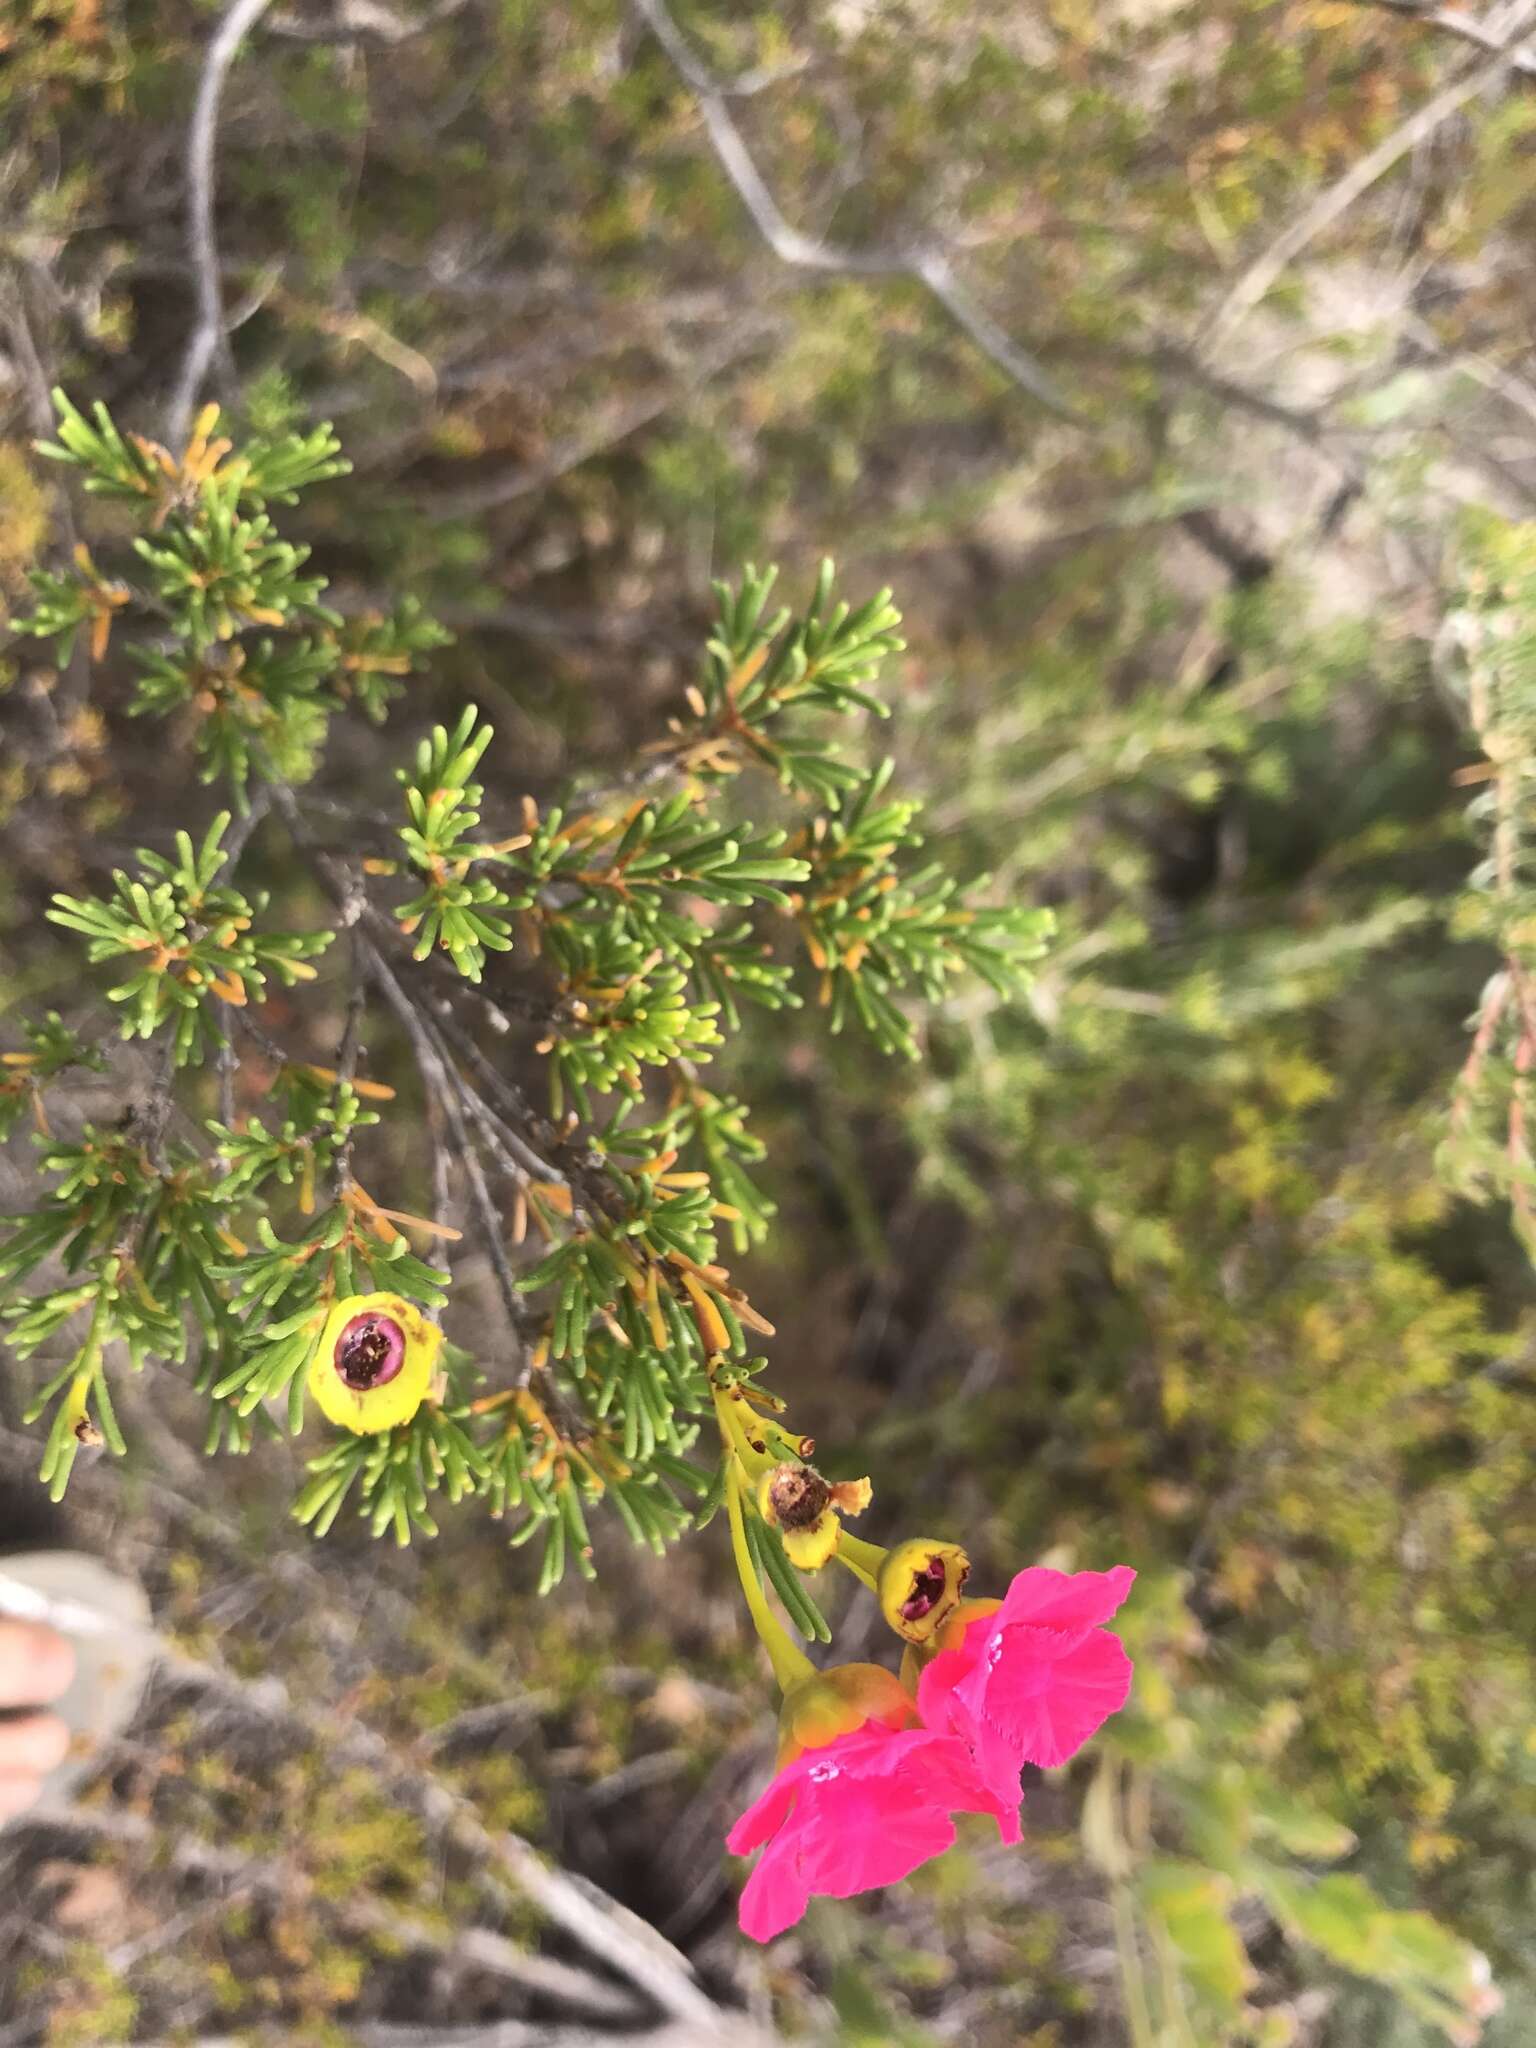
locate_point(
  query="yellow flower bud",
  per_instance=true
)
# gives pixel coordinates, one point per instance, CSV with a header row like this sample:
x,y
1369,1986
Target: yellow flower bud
x,y
919,1586
806,1510
837,1701
374,1363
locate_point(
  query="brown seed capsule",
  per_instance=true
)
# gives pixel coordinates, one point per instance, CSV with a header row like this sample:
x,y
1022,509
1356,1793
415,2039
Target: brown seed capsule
x,y
796,1496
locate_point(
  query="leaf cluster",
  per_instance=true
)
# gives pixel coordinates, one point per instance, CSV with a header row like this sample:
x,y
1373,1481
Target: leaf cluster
x,y
631,925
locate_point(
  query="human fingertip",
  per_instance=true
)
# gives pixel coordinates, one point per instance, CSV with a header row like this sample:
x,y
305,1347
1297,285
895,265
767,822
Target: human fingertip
x,y
36,1664
18,1791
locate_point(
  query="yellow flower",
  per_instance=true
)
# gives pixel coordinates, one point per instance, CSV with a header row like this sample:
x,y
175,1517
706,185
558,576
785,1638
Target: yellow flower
x,y
806,1510
920,1587
837,1701
374,1363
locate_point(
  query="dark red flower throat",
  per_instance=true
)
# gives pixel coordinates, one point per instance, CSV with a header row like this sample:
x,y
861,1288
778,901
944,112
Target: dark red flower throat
x,y
370,1352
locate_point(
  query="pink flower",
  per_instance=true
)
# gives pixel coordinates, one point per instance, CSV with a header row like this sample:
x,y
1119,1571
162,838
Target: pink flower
x,y
862,1810
1029,1679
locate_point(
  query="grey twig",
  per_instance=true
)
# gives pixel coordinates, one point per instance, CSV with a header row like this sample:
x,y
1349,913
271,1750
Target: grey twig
x,y
929,267
208,337
34,378
439,1074
597,1924
1333,203
1451,22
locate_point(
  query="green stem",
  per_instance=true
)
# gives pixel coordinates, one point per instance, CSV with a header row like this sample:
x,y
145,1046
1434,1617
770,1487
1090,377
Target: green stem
x,y
733,1427
790,1666
1133,1978
1138,2012
1174,2007
862,1559
865,1578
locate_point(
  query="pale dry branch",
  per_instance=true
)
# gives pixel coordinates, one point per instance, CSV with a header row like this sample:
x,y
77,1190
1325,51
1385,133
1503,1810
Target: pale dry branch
x,y
1451,22
209,341
1331,205
603,1929
929,267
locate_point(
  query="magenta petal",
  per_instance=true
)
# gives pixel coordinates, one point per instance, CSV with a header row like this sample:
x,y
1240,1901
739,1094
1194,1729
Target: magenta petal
x,y
775,1895
944,1774
937,1685
862,1811
1069,1600
881,1853
954,1778
1045,1712
765,1816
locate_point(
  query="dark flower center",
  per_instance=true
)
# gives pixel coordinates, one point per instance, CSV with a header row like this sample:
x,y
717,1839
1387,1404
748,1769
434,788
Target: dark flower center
x,y
927,1590
369,1352
799,1494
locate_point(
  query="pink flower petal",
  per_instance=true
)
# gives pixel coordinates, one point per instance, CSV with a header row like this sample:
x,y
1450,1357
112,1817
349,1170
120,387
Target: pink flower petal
x,y
941,1679
1031,1682
764,1817
878,1848
863,1810
775,1895
1046,1710
1065,1600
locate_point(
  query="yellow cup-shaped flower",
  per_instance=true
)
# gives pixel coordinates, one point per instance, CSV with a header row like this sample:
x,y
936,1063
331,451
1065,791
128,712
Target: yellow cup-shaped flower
x,y
374,1363
920,1587
837,1701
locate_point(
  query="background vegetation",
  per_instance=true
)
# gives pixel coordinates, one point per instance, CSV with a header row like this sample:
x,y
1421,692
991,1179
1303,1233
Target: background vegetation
x,y
1170,362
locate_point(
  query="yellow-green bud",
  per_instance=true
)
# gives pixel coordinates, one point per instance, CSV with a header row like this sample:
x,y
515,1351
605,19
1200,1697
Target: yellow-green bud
x,y
837,1701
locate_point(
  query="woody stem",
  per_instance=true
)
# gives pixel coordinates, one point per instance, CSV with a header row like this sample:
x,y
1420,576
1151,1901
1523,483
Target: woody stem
x,y
790,1666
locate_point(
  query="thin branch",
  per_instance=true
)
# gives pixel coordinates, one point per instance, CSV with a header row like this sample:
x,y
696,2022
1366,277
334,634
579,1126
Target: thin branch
x,y
37,386
1451,23
1331,205
208,337
928,267
34,378
730,2028
597,1924
1515,391
440,1076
